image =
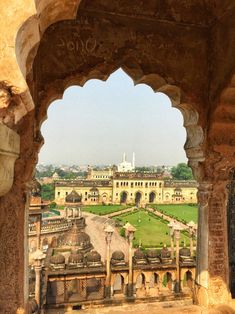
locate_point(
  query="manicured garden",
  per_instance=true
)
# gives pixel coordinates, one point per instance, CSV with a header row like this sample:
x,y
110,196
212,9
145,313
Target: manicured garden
x,y
182,212
103,209
151,230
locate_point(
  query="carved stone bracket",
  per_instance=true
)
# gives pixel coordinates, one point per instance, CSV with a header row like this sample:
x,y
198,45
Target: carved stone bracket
x,y
9,152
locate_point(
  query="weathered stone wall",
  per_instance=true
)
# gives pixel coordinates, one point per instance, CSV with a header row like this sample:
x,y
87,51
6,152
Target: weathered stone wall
x,y
184,49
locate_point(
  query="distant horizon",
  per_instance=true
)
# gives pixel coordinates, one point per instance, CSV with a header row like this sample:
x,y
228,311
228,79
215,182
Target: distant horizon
x,y
96,123
106,165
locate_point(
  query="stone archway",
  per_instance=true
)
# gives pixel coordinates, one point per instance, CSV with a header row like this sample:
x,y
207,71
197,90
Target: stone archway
x,y
123,197
42,91
138,196
152,197
194,77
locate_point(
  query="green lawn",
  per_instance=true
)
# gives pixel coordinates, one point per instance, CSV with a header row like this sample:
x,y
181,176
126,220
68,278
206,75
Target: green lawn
x,y
151,231
185,212
103,209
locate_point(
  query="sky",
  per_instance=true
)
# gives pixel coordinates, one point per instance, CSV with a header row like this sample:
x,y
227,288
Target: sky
x,y
96,123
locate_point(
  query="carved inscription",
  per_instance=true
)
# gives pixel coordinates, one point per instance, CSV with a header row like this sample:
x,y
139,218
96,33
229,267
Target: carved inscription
x,y
78,44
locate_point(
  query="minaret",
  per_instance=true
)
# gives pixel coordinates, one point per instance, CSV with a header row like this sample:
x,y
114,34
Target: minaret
x,y
124,157
133,161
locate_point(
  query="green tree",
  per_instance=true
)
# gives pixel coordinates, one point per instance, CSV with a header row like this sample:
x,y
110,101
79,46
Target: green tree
x,y
143,169
48,192
182,172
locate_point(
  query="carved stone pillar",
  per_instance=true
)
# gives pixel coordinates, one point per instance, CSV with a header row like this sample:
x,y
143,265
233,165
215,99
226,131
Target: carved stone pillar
x,y
13,239
212,245
109,232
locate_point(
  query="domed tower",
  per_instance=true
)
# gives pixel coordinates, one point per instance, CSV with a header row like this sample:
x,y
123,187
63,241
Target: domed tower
x,y
36,209
165,256
76,260
185,255
93,259
118,258
57,261
76,240
153,257
36,204
140,257
73,198
73,202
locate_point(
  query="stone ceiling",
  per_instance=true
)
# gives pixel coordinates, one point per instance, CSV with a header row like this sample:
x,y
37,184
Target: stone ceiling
x,y
201,13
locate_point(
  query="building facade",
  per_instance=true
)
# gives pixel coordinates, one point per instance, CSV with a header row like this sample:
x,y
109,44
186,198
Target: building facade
x,y
137,188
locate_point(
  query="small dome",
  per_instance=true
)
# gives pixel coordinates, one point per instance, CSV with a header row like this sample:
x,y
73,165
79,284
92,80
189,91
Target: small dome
x,y
139,254
93,256
57,259
184,252
74,237
152,253
94,190
73,197
75,258
165,253
118,255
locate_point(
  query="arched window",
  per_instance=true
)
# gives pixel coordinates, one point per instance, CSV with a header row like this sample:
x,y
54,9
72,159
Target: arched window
x,y
118,285
188,279
140,281
154,280
167,281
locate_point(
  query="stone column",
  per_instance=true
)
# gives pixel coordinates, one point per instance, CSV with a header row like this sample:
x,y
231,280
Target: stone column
x,y
38,257
38,231
130,230
191,226
38,269
171,226
204,192
177,229
109,232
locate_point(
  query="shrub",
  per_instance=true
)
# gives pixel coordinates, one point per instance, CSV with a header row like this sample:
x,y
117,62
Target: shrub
x,y
122,232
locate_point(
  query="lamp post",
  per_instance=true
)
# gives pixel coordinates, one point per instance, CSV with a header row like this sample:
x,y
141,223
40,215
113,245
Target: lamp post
x,y
191,226
177,229
38,230
38,256
109,232
171,226
130,230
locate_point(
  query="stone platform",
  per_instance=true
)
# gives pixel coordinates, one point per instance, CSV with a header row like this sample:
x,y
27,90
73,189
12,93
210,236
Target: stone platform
x,y
176,307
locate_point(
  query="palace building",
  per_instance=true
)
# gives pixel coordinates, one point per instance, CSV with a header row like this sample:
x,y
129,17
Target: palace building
x,y
139,188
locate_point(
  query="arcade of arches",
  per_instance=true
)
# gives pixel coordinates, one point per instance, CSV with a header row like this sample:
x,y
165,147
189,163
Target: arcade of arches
x,y
184,49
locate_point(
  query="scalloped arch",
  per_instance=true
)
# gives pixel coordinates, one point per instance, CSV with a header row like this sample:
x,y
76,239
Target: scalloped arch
x,y
195,135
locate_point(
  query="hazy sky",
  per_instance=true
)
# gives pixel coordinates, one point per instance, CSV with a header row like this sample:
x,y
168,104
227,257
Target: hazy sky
x,y
96,123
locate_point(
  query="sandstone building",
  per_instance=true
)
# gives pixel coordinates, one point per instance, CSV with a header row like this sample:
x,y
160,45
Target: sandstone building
x,y
112,187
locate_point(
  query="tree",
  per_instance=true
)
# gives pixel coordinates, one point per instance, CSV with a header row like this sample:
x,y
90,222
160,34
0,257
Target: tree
x,y
182,172
48,192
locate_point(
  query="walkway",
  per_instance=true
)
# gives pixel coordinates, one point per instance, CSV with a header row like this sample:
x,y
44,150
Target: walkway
x,y
165,217
95,228
120,212
149,209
